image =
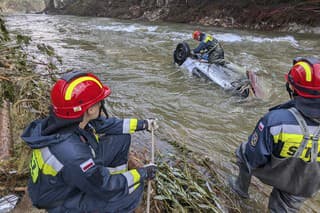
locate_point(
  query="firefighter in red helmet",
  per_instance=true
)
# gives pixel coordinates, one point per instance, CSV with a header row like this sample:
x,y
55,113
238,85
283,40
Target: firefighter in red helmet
x,y
209,48
304,78
72,95
196,35
80,156
283,150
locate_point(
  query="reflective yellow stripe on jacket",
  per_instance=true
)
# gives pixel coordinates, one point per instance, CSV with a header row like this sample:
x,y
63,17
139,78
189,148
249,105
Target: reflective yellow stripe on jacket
x,y
133,179
129,125
43,160
291,137
208,38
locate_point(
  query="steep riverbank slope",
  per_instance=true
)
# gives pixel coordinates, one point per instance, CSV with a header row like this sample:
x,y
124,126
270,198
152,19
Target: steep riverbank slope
x,y
297,16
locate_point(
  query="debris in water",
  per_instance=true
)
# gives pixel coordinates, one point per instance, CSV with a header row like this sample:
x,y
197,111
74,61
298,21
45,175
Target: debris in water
x,y
7,203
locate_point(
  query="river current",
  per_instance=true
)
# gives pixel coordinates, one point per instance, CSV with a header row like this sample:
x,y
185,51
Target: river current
x,y
135,60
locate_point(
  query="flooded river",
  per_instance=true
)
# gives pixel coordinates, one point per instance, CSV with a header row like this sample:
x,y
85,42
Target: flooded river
x,y
135,60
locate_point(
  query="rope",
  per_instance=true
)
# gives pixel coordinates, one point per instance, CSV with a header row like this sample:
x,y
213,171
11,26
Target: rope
x,y
152,161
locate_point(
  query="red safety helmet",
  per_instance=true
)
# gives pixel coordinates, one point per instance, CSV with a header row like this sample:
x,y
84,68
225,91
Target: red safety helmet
x,y
304,77
75,92
196,35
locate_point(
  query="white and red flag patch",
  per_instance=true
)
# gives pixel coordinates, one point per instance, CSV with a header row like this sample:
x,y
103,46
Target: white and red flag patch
x,y
85,166
260,126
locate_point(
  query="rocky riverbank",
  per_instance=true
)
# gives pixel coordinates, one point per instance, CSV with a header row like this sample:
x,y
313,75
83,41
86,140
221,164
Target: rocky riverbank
x,y
302,16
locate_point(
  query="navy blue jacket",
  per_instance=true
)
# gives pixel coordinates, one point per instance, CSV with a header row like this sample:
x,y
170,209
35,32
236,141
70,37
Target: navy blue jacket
x,y
262,143
271,152
206,43
65,169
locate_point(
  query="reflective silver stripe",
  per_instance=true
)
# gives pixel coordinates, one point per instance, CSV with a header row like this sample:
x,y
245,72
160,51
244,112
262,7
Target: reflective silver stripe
x,y
50,159
306,137
289,129
118,169
133,177
315,145
126,126
305,131
131,190
129,177
130,180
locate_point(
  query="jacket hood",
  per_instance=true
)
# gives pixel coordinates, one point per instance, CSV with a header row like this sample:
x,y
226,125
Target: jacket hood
x,y
309,107
48,131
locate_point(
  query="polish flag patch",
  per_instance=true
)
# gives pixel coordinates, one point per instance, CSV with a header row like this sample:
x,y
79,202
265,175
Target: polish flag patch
x,y
85,166
260,126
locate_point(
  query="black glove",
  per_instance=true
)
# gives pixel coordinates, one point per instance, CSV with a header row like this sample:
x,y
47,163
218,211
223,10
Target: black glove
x,y
148,171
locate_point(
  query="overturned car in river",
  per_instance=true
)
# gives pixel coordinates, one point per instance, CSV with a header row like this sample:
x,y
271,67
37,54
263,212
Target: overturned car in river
x,y
229,76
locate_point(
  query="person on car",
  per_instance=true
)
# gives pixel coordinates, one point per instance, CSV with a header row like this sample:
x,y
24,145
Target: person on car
x,y
209,48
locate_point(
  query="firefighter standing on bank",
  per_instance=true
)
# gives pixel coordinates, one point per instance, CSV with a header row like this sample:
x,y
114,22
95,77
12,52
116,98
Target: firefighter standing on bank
x,y
283,150
79,159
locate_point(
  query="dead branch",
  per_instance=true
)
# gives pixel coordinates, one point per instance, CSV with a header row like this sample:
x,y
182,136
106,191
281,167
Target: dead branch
x,y
4,78
16,189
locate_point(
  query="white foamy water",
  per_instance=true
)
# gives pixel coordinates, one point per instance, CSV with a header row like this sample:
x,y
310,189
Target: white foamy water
x,y
128,28
224,37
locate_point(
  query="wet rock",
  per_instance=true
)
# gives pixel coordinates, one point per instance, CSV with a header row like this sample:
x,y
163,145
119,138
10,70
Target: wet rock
x,y
156,14
135,11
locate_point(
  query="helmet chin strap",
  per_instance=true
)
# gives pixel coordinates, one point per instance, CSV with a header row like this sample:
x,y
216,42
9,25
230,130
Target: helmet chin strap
x,y
103,109
289,90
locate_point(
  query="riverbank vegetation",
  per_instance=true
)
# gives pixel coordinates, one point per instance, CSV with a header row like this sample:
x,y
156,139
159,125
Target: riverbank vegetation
x,y
25,75
24,82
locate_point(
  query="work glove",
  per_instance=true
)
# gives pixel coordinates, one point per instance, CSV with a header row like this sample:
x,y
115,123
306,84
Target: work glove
x,y
151,124
148,171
